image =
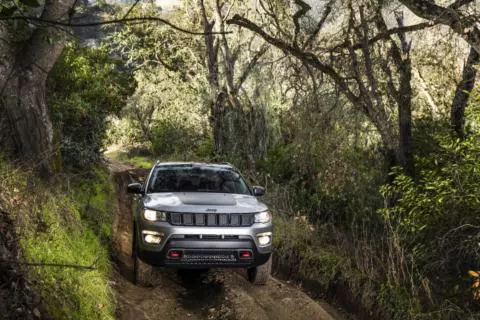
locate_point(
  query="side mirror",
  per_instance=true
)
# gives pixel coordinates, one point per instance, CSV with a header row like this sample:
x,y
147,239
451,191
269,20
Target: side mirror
x,y
258,191
135,188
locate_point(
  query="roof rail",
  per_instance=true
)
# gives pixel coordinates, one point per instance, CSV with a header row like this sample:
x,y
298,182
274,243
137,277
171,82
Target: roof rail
x,y
226,163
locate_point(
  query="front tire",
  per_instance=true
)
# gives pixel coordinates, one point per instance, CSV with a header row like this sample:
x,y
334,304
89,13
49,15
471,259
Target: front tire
x,y
142,272
259,275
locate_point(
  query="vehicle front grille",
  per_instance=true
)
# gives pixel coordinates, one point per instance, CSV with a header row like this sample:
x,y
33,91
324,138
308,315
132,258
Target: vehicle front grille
x,y
211,219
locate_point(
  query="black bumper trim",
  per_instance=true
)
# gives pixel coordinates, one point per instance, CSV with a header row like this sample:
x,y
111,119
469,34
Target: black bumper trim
x,y
204,254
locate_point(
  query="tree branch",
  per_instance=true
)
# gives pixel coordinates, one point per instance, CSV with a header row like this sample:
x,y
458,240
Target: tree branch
x,y
306,57
326,13
385,35
304,8
60,265
250,66
459,3
113,21
130,9
449,16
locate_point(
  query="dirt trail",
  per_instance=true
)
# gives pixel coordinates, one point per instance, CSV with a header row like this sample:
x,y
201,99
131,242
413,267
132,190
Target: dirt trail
x,y
216,294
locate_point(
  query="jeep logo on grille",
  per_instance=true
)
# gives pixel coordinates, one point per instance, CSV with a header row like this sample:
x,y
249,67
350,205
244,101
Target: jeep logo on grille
x,y
211,210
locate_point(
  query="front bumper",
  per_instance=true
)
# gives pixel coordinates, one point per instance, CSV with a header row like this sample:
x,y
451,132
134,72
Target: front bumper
x,y
203,247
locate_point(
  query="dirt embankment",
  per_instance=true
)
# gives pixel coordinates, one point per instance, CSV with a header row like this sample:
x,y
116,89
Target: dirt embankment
x,y
216,294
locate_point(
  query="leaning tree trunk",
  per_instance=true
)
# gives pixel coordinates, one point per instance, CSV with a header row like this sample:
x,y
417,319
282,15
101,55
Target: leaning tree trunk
x,y
404,101
464,88
26,125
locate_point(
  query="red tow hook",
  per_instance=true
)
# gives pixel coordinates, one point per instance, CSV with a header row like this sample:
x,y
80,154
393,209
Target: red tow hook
x,y
175,254
245,254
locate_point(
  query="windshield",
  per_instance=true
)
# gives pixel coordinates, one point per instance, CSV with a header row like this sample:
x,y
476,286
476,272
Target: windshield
x,y
188,178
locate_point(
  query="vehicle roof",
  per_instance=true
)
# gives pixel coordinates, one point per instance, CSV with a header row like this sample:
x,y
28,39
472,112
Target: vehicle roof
x,y
225,165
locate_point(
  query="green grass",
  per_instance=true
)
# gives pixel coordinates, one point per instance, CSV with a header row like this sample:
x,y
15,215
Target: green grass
x,y
65,225
136,161
298,243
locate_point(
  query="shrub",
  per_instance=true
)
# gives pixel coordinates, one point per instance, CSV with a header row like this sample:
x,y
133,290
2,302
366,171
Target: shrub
x,y
173,138
435,220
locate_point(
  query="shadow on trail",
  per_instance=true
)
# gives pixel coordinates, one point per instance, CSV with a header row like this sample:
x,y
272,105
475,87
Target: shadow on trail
x,y
203,292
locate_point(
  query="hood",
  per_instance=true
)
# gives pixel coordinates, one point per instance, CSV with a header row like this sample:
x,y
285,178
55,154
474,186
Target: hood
x,y
203,202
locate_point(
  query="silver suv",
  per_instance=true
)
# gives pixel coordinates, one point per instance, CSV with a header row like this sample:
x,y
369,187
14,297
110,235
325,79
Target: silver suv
x,y
201,215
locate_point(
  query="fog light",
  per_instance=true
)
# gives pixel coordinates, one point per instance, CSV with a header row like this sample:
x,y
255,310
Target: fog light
x,y
152,237
264,239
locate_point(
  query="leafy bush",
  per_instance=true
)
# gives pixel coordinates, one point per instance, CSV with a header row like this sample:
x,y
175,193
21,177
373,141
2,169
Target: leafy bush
x,y
173,138
435,220
85,86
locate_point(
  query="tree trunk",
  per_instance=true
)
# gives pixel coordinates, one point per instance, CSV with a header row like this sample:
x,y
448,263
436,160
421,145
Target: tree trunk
x,y
405,152
405,149
403,95
27,129
219,123
464,88
29,132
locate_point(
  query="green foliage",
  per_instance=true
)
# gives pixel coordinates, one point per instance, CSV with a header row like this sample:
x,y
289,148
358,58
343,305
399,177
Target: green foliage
x,y
170,138
138,161
205,149
84,88
17,7
332,176
64,227
70,293
94,198
436,217
302,254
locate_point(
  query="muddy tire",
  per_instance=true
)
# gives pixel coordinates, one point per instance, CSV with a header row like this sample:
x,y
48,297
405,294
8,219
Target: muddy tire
x,y
142,272
259,275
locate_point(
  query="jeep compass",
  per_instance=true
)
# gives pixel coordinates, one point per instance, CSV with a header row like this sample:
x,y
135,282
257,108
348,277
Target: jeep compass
x,y
201,215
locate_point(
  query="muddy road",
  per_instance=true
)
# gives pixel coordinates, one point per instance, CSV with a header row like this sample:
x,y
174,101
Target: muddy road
x,y
189,294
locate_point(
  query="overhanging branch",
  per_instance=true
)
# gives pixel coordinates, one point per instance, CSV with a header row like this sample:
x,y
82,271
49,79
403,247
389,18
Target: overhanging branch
x,y
385,35
304,56
450,16
113,21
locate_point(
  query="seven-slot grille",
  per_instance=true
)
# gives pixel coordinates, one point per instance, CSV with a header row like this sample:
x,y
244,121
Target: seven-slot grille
x,y
211,219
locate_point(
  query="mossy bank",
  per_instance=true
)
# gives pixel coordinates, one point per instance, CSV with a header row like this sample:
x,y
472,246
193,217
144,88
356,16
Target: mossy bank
x,y
65,227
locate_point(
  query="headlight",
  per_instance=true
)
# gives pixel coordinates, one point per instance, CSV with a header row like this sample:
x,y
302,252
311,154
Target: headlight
x,y
263,217
152,215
